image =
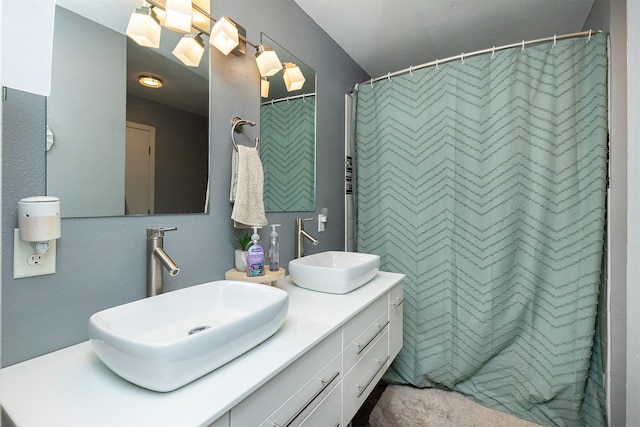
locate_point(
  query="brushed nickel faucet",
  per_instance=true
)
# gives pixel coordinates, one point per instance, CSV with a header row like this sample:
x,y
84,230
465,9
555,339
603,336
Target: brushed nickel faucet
x,y
301,234
156,259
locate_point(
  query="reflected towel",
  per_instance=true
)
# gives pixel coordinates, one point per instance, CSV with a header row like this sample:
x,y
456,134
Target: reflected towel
x,y
247,180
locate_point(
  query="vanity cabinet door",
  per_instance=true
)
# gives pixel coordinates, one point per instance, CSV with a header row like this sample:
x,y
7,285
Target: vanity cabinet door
x,y
322,361
396,321
361,344
308,397
363,329
223,421
327,413
358,383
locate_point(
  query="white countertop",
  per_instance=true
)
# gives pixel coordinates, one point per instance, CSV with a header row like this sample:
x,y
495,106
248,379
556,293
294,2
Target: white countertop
x,y
72,387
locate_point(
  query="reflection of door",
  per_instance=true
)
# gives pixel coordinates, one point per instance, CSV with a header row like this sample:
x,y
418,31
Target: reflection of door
x,y
140,169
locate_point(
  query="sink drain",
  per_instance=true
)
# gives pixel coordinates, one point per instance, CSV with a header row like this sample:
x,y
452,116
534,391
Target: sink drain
x,y
198,329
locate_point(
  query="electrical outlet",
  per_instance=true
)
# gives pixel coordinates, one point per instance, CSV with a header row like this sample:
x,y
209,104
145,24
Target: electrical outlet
x,y
26,263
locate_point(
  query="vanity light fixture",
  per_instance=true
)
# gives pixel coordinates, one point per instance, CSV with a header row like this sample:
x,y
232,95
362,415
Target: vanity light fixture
x,y
224,35
264,87
186,16
190,49
268,61
149,81
144,27
179,15
293,77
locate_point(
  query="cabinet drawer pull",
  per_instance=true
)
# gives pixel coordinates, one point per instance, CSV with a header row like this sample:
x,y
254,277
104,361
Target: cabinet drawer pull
x,y
362,388
325,384
398,303
361,347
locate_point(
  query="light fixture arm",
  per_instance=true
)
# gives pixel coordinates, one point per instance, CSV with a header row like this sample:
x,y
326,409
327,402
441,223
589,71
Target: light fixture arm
x,y
200,10
205,13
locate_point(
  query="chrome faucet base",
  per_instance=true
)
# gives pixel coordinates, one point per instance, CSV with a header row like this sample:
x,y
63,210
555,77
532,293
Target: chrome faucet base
x,y
157,258
301,234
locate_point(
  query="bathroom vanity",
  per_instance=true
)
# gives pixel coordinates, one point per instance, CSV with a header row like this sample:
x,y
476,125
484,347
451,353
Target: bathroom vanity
x,y
316,370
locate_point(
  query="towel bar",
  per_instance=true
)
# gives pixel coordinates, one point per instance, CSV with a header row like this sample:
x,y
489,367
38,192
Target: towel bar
x,y
236,126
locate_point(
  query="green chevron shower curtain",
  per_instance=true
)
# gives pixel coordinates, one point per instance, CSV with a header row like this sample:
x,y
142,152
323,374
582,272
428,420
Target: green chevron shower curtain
x,y
484,182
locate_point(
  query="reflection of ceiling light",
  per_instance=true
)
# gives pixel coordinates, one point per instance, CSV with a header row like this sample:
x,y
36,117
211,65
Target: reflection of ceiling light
x,y
264,87
268,61
179,15
144,27
190,49
224,35
152,82
293,78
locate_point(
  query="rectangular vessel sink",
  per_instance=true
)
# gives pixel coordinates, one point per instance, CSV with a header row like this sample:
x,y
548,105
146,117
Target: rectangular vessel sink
x,y
166,341
334,272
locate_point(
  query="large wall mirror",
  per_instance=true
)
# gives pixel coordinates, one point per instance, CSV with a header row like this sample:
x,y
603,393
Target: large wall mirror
x,y
287,139
114,146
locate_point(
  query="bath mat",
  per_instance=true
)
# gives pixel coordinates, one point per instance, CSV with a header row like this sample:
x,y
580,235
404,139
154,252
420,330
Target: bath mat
x,y
406,406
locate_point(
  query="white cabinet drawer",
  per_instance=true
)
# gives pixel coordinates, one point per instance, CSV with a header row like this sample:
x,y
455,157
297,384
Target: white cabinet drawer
x,y
358,383
223,421
361,344
396,314
263,402
364,319
309,396
327,413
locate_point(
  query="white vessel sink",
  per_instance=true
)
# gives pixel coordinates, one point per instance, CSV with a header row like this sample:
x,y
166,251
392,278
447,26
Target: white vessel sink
x,y
334,272
166,341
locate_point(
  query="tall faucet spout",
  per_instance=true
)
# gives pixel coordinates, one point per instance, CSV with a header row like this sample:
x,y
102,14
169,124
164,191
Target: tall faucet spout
x,y
313,240
302,234
157,258
167,262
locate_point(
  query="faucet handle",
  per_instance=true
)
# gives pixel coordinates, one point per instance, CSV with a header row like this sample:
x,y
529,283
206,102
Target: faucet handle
x,y
159,232
303,220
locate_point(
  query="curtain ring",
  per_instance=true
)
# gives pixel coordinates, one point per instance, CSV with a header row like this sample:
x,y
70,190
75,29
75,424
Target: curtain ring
x,y
522,50
493,53
411,70
371,82
303,100
436,63
389,76
462,57
554,40
589,38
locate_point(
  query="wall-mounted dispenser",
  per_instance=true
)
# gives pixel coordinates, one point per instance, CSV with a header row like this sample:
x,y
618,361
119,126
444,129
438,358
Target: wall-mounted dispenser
x,y
34,239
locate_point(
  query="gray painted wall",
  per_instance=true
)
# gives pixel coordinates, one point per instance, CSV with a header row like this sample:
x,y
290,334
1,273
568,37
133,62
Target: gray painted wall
x,y
611,16
633,213
101,261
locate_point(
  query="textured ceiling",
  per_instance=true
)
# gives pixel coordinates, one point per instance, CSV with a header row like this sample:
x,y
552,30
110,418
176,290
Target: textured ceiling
x,y
388,35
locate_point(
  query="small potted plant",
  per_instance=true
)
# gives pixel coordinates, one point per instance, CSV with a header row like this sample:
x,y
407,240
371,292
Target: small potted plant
x,y
241,254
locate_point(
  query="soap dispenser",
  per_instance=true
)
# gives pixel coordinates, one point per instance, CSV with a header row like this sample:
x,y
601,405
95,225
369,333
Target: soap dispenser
x,y
274,249
255,256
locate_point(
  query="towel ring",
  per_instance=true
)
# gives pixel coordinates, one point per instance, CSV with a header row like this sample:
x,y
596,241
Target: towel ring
x,y
236,126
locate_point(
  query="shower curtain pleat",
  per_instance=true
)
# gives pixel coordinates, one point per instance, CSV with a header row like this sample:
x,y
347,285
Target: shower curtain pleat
x,y
484,182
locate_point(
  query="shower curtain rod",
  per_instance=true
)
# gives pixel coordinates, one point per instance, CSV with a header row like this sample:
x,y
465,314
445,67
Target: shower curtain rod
x,y
492,50
288,98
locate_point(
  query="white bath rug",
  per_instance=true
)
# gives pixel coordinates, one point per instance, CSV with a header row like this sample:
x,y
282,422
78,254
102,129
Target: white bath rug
x,y
406,406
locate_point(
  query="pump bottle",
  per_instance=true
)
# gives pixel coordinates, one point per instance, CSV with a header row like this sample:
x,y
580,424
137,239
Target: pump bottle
x,y
255,256
274,249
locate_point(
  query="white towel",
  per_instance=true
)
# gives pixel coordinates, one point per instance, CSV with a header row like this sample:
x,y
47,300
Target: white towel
x,y
247,180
